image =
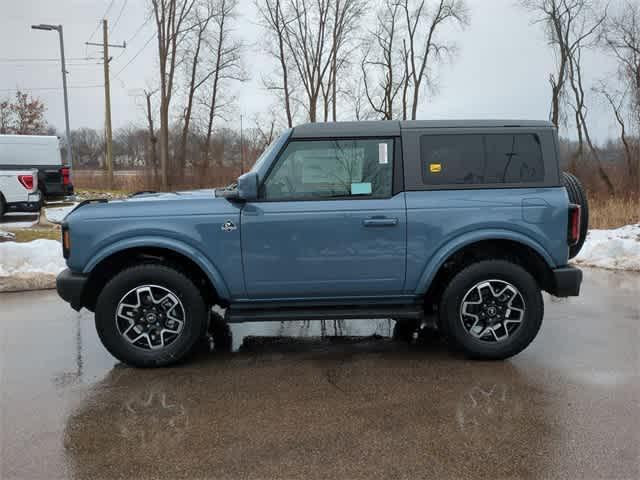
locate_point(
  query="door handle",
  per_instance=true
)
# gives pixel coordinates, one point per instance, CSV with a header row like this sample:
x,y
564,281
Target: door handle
x,y
380,222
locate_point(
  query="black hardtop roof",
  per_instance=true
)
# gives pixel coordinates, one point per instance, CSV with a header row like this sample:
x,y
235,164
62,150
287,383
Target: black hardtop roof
x,y
374,128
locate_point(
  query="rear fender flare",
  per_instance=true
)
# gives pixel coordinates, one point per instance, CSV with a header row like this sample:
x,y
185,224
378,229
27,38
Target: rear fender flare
x,y
458,243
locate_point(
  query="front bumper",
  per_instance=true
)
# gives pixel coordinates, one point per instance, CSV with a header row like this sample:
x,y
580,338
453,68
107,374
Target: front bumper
x,y
70,287
566,282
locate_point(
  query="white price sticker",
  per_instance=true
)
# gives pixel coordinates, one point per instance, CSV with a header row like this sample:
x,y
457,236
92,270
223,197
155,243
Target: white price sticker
x,y
383,158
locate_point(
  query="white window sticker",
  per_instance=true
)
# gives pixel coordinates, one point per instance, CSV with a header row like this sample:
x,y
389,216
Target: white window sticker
x,y
382,154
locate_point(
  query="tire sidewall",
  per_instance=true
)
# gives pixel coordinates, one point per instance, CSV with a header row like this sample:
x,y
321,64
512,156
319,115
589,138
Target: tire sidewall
x,y
471,276
194,308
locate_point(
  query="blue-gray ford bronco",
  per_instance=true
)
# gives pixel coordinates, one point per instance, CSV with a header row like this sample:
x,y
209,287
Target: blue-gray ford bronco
x,y
461,222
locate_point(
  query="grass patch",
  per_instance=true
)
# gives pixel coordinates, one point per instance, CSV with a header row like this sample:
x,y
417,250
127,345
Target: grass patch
x,y
83,194
613,212
28,234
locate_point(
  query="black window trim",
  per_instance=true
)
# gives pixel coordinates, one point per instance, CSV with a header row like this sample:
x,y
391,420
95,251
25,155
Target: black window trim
x,y
397,174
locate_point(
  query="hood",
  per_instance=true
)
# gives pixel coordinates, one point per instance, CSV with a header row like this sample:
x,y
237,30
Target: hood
x,y
153,204
186,194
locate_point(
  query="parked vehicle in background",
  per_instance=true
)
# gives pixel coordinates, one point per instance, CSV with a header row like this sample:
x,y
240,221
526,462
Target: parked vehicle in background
x,y
463,222
19,191
43,153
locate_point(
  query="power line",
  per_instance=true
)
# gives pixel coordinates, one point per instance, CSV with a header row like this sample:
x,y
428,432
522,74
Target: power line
x,y
26,90
136,55
128,42
139,30
124,4
104,15
30,64
43,60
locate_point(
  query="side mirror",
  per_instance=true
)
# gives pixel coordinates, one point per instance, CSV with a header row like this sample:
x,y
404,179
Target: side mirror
x,y
248,186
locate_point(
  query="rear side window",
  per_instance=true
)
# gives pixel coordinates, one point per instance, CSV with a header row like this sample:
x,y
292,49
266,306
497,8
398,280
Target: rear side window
x,y
476,159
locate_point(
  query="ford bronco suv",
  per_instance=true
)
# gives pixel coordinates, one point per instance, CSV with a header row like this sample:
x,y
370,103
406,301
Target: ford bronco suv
x,y
464,222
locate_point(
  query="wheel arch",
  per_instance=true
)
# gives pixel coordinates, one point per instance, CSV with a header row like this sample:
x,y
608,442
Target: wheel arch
x,y
114,258
490,245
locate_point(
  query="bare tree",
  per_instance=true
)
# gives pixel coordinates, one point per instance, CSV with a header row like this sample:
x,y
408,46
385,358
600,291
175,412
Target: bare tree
x,y
622,38
203,12
171,19
273,21
225,55
346,15
424,46
312,41
566,26
382,75
571,26
408,47
5,116
153,140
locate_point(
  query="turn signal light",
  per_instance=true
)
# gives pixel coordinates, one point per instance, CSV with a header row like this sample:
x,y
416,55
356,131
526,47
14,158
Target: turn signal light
x,y
66,242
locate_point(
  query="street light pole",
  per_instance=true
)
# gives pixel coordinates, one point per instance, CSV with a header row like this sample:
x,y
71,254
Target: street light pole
x,y
58,28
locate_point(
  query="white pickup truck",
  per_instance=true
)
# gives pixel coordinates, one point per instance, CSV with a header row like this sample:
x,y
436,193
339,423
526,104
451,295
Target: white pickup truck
x,y
19,191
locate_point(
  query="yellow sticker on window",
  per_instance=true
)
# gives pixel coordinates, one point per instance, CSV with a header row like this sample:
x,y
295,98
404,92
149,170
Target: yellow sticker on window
x,y
435,167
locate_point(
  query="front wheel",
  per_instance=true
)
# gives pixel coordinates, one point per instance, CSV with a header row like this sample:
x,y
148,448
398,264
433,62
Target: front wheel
x,y
150,315
492,309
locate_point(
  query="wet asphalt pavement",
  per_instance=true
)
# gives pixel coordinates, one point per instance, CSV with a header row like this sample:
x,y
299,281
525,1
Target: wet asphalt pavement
x,y
370,407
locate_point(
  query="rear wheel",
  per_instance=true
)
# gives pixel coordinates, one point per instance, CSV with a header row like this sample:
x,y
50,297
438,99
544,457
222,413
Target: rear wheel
x,y
2,206
577,195
492,309
150,316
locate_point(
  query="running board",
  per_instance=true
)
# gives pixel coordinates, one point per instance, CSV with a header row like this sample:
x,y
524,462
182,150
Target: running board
x,y
405,312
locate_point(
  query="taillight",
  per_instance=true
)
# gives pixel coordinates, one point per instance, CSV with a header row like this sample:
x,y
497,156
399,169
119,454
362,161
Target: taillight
x,y
26,181
64,171
573,232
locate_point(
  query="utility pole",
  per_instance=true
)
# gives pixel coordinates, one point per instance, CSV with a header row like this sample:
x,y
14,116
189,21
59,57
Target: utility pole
x,y
107,97
58,28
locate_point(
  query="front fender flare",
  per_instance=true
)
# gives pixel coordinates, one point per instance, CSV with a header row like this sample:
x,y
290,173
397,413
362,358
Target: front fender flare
x,y
461,241
176,246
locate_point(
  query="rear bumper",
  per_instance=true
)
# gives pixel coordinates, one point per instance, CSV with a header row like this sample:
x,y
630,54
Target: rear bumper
x,y
70,287
33,203
566,282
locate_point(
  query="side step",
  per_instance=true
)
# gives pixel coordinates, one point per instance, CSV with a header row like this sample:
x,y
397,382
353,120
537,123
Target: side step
x,y
243,314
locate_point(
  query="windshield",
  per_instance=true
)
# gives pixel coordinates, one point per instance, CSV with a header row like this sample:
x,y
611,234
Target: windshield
x,y
270,150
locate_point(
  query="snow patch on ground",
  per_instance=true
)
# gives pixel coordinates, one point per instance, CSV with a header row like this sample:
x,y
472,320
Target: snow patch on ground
x,y
38,256
617,249
6,236
57,214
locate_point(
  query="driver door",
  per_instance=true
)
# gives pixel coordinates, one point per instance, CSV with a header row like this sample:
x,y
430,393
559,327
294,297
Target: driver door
x,y
327,223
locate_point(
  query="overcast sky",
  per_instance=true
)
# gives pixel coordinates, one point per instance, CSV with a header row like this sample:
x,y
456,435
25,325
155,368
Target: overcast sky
x,y
501,70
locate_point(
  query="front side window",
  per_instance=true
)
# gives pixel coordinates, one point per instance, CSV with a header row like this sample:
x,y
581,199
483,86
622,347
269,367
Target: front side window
x,y
481,159
321,169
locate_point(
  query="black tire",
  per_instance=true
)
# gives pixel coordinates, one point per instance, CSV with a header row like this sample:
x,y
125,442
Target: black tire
x,y
218,337
403,330
2,206
577,195
503,271
195,315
